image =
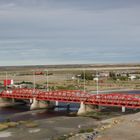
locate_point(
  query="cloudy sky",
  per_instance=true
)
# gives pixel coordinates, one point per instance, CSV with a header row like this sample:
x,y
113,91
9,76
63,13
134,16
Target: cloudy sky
x,y
69,31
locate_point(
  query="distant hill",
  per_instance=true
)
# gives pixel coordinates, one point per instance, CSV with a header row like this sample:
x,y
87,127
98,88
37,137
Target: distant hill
x,y
34,67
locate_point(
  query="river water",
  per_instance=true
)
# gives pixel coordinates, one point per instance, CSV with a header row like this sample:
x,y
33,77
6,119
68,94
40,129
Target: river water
x,y
22,112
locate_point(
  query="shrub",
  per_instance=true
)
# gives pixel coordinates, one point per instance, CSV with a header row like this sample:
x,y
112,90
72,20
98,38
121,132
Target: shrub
x,y
90,130
82,131
3,127
12,124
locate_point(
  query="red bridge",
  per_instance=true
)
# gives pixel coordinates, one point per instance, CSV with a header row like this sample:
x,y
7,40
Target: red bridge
x,y
111,99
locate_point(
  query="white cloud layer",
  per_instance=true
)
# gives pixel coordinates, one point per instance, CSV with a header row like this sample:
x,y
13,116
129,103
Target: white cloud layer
x,y
69,31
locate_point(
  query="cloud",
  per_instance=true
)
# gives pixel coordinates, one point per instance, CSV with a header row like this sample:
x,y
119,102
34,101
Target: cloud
x,y
8,5
76,31
94,5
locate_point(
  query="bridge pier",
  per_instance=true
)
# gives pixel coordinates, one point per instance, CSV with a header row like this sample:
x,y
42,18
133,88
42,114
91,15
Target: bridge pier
x,y
36,104
68,108
56,104
85,108
13,100
123,109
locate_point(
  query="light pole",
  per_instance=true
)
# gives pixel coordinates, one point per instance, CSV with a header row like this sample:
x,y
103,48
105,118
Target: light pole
x,y
97,82
6,80
97,87
79,75
47,84
84,80
34,80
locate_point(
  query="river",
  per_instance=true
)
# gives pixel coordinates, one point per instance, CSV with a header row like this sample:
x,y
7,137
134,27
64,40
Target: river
x,y
22,112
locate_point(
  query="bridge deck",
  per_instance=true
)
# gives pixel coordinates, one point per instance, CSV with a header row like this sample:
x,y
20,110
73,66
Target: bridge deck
x,y
111,99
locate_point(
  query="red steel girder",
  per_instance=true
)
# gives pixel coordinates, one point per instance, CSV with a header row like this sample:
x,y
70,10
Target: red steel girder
x,y
75,96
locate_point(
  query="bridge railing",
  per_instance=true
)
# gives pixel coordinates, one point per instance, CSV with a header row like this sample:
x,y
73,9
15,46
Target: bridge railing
x,y
127,100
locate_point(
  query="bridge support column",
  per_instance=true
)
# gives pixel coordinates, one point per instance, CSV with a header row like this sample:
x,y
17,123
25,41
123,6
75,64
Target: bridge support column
x,y
123,109
31,101
68,108
40,104
56,104
13,100
85,108
34,104
99,107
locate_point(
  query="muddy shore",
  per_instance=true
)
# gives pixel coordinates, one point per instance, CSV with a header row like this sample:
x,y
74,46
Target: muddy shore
x,y
54,128
49,129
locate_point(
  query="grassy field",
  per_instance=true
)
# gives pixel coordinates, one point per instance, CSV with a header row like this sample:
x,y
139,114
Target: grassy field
x,y
61,77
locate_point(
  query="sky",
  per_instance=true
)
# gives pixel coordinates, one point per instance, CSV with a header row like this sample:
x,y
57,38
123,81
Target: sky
x,y
44,32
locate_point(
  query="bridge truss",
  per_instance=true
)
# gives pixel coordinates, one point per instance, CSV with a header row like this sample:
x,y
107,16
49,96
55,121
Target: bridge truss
x,y
75,96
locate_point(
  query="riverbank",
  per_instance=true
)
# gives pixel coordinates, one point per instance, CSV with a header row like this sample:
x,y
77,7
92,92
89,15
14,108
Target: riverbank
x,y
51,128
126,128
64,125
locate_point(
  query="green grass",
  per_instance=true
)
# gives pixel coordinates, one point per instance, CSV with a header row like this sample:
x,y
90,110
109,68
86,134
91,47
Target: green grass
x,y
96,114
88,130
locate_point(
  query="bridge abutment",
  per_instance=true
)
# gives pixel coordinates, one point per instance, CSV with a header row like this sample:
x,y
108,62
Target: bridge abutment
x,y
4,102
85,108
